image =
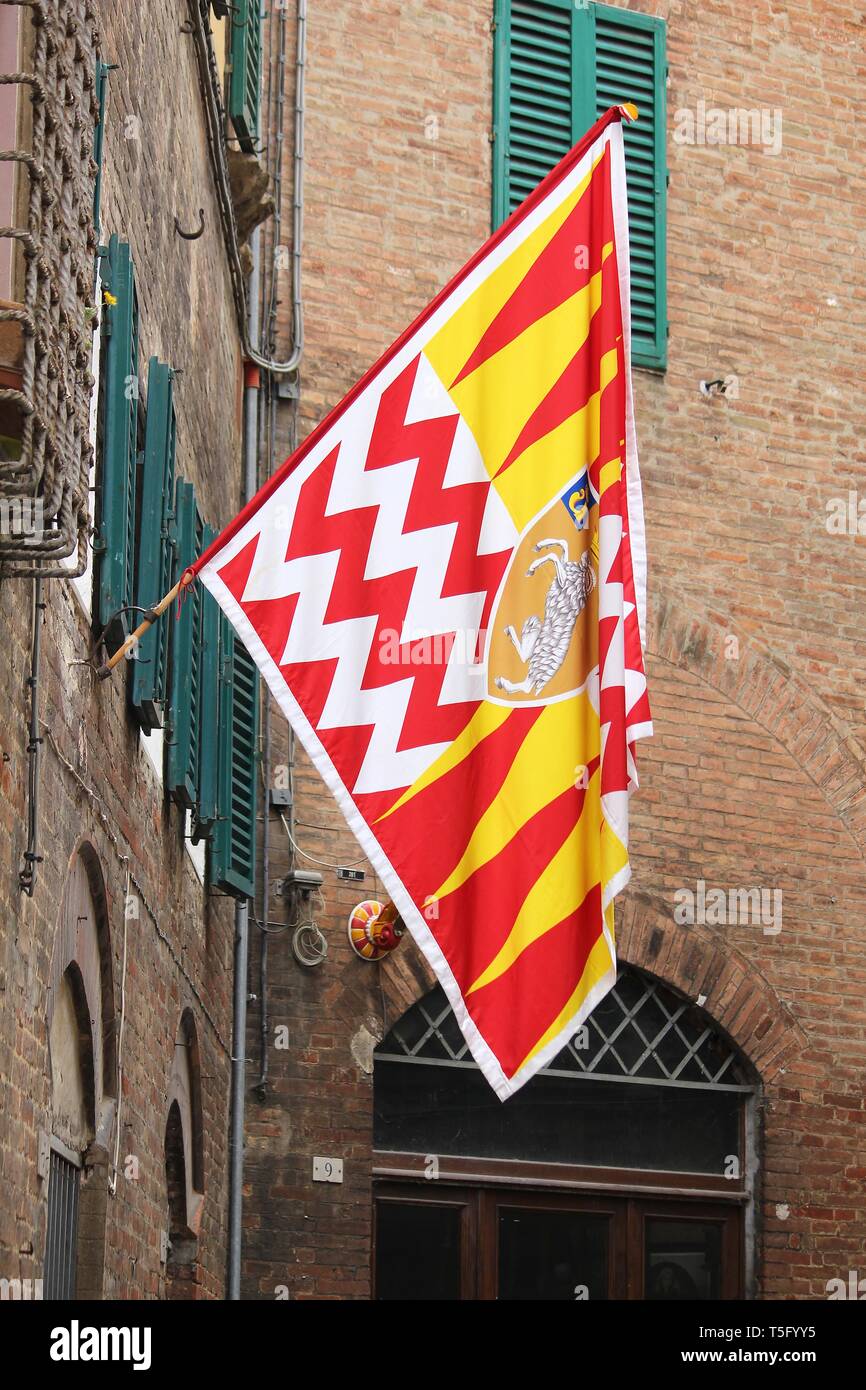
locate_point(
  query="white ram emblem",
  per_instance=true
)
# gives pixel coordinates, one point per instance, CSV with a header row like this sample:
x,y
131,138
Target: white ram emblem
x,y
543,643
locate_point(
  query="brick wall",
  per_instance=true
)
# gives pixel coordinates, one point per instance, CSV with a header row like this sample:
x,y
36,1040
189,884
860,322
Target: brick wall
x,y
756,772
97,786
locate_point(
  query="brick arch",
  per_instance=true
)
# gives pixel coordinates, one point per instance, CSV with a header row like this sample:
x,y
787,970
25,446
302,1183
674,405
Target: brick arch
x,y
768,692
82,953
184,1093
734,994
83,936
728,986
405,978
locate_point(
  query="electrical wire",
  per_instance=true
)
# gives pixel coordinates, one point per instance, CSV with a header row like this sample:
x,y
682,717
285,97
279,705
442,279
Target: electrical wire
x,y
209,85
309,943
324,863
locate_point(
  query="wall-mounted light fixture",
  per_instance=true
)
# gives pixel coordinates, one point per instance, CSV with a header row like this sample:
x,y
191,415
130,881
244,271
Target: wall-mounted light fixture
x,y
374,929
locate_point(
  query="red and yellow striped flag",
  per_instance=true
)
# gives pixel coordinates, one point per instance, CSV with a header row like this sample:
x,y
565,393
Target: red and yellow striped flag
x,y
444,589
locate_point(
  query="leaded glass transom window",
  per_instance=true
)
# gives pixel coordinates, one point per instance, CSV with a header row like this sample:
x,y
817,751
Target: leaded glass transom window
x,y
640,1031
649,1082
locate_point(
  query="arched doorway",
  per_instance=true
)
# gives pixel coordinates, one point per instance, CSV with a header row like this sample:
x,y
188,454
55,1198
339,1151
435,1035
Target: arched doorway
x,y
623,1170
81,1050
184,1164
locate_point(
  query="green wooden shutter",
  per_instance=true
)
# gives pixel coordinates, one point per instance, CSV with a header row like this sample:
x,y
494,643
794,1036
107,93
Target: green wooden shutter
x,y
183,733
206,809
155,545
115,540
102,71
534,97
558,66
233,839
630,66
245,78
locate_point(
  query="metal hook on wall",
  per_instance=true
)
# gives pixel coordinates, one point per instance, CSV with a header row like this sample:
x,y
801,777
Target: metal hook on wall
x,y
190,236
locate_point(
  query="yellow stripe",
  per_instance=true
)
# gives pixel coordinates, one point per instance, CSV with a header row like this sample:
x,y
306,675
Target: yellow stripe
x,y
546,467
499,397
609,474
561,887
486,720
564,736
614,855
458,338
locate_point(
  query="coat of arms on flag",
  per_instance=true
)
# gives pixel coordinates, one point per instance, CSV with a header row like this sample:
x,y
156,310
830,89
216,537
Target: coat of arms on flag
x,y
444,588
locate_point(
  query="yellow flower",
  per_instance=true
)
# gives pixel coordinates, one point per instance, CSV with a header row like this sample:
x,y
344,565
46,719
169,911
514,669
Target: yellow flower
x,y
109,298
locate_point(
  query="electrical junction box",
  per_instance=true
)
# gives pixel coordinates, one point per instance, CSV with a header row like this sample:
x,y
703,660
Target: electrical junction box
x,y
304,880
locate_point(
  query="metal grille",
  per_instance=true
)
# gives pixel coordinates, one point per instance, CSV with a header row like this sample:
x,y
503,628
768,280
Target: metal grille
x,y
44,491
640,1032
61,1241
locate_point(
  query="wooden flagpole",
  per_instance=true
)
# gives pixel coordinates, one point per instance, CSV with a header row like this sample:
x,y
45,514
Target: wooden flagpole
x,y
152,615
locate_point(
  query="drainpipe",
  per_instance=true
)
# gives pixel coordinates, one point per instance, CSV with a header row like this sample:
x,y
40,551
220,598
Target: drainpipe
x,y
242,910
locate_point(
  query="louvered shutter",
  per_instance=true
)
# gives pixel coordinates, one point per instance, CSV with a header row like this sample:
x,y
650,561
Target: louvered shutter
x,y
149,689
115,538
535,91
102,71
233,838
630,66
206,809
245,79
558,66
183,733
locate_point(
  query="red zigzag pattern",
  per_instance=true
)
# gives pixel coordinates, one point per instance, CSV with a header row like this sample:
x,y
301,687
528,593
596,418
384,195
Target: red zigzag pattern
x,y
387,599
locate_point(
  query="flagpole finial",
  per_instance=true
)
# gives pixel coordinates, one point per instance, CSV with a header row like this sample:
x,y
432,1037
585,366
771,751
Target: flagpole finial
x,y
629,110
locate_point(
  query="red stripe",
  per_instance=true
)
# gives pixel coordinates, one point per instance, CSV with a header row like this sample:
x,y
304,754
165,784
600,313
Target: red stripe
x,y
555,275
515,1010
479,916
581,378
426,837
555,176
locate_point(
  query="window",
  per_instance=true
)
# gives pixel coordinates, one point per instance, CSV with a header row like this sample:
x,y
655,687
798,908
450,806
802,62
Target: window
x,y
245,76
82,1040
620,1170
190,676
184,1165
149,690
61,1242
233,844
182,742
135,537
558,66
214,712
115,537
